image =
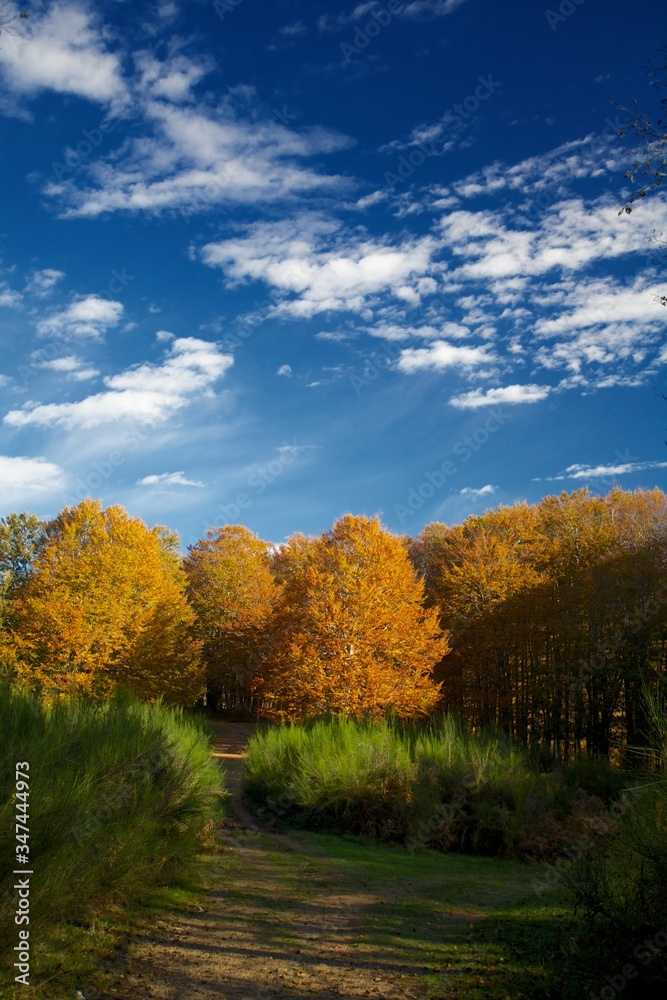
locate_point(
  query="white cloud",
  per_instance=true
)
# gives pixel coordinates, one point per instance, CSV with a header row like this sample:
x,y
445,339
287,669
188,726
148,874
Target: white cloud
x,y
285,370
72,367
603,302
602,322
435,8
196,158
29,474
481,492
168,479
9,298
172,78
579,471
146,393
364,10
316,267
572,235
441,355
552,171
66,51
41,283
398,331
293,29
509,394
88,316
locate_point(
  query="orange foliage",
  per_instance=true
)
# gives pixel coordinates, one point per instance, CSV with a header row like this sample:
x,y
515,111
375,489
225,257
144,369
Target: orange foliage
x,y
350,634
104,607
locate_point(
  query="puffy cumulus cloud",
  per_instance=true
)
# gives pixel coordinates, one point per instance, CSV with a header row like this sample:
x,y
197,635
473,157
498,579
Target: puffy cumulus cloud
x,y
88,316
315,266
64,50
509,394
21,475
602,301
441,355
166,479
195,158
146,393
285,370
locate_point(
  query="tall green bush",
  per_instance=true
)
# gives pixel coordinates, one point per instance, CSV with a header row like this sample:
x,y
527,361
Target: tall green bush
x,y
422,785
120,793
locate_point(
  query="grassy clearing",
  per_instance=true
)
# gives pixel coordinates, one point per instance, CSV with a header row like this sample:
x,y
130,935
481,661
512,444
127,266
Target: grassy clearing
x,y
120,796
470,927
431,786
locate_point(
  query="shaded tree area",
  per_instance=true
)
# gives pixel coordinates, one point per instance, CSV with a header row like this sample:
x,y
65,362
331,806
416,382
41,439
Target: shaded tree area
x,y
558,615
232,590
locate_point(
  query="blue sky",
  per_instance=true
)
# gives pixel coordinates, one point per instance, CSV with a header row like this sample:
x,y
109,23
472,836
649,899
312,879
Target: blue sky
x,y
271,263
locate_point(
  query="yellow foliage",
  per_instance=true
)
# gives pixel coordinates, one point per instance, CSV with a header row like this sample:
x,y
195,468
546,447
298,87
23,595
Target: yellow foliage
x,y
350,635
105,607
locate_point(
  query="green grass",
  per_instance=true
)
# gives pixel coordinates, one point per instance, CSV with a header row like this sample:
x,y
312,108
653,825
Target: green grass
x,y
120,795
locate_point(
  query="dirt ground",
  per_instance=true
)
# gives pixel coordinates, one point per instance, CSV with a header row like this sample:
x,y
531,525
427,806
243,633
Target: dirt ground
x,y
276,925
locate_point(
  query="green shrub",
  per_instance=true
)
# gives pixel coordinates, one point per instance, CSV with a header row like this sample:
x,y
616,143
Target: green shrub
x,y
120,794
620,882
421,785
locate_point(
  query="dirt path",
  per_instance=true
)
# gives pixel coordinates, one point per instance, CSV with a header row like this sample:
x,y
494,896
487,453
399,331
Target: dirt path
x,y
275,926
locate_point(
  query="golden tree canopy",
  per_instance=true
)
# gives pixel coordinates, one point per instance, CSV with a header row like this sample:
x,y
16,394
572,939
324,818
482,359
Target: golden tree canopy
x,y
104,606
350,634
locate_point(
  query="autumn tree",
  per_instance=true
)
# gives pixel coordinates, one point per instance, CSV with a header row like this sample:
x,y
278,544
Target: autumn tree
x,y
558,615
105,606
232,590
350,634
